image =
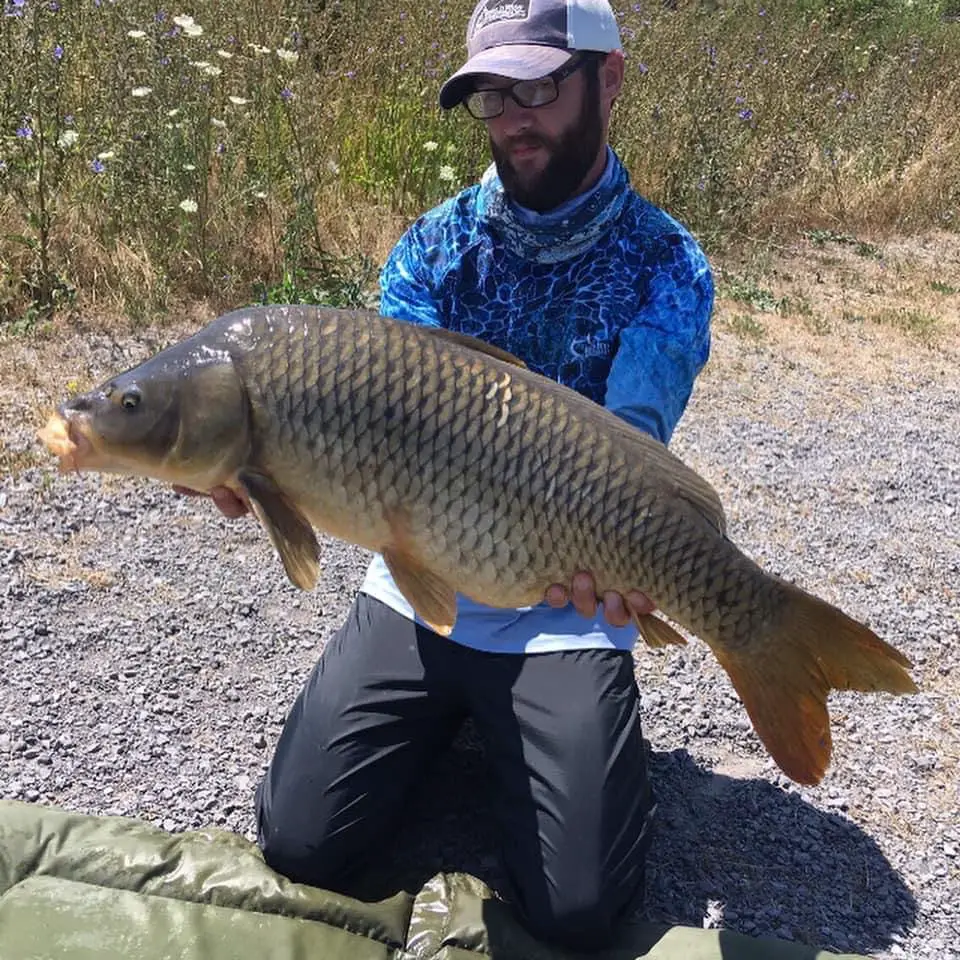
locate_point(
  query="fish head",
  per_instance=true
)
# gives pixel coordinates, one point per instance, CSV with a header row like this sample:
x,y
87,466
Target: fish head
x,y
179,417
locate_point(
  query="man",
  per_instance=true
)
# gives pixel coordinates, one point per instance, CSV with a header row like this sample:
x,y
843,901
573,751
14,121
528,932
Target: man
x,y
555,258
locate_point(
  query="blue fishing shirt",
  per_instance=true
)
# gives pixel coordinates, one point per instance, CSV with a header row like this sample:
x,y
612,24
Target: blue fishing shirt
x,y
607,294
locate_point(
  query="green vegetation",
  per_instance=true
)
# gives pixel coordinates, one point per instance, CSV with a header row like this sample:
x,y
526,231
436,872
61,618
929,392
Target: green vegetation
x,y
232,151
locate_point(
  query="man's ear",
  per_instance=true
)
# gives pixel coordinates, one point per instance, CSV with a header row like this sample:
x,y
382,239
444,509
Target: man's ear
x,y
611,76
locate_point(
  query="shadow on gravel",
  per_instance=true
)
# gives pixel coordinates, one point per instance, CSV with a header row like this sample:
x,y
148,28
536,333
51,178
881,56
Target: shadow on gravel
x,y
741,854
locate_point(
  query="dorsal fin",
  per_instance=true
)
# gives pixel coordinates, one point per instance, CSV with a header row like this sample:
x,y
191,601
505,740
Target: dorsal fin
x,y
473,343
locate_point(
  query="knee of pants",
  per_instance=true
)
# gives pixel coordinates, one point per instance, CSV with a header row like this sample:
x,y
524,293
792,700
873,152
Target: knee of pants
x,y
584,926
588,916
287,851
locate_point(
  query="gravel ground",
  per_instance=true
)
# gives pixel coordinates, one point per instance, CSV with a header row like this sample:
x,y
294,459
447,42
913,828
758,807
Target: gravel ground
x,y
150,649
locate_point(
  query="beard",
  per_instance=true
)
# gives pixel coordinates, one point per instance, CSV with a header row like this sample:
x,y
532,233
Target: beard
x,y
570,157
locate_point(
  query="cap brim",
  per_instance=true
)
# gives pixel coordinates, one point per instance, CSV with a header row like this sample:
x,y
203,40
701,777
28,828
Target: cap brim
x,y
516,61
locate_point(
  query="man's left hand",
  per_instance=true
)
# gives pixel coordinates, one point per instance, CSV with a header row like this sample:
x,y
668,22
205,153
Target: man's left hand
x,y
583,594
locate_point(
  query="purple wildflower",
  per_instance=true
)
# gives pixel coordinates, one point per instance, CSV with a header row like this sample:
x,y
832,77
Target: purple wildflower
x,y
643,68
58,52
25,131
97,166
53,6
221,149
745,114
286,94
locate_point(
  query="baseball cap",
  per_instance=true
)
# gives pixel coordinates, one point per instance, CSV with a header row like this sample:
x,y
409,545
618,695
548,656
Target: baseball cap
x,y
526,39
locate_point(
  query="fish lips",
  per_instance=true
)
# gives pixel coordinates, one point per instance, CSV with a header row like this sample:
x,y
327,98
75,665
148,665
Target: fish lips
x,y
66,436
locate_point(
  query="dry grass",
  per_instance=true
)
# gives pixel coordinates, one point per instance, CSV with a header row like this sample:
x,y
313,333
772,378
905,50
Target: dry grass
x,y
853,307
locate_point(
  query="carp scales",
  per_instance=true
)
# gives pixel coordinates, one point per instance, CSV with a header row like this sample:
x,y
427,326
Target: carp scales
x,y
470,473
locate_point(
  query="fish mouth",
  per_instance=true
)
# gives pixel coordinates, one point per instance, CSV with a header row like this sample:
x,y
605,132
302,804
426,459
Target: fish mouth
x,y
67,440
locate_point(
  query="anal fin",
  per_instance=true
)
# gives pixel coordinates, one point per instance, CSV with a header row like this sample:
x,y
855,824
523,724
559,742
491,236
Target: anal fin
x,y
433,599
290,532
657,633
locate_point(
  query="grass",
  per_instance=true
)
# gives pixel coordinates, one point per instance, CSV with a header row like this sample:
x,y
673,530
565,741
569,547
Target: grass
x,y
917,323
273,150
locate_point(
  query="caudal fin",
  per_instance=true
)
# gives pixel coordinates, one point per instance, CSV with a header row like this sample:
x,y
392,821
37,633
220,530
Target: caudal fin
x,y
784,679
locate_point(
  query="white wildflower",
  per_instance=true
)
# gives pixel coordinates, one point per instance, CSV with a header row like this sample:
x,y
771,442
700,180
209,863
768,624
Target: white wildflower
x,y
225,54
141,91
188,206
67,139
206,67
256,48
218,123
446,173
288,56
173,112
238,101
136,34
260,195
188,25
106,155
430,146
189,166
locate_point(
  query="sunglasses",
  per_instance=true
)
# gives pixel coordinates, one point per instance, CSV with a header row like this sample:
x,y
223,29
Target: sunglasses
x,y
487,104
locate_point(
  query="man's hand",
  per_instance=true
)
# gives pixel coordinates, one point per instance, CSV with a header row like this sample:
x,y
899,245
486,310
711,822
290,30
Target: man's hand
x,y
583,594
227,501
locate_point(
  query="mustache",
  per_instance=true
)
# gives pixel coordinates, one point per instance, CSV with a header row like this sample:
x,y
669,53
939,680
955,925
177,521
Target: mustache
x,y
525,140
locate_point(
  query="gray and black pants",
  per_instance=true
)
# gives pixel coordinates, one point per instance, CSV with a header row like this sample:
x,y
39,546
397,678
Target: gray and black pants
x,y
561,736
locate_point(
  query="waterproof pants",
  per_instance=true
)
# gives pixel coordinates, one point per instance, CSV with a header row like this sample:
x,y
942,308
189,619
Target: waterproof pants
x,y
561,736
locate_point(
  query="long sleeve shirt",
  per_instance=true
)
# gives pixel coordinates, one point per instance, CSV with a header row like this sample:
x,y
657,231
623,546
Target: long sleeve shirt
x,y
608,295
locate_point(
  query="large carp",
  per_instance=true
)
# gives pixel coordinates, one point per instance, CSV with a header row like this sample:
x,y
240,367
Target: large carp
x,y
468,472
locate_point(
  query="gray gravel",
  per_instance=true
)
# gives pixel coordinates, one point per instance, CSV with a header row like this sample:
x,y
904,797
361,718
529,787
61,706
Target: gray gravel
x,y
150,649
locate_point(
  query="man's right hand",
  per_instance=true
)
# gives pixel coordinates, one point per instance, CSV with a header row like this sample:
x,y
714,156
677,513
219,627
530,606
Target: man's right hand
x,y
228,501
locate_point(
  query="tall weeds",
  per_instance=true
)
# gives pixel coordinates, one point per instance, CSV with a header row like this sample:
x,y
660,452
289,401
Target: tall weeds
x,y
233,151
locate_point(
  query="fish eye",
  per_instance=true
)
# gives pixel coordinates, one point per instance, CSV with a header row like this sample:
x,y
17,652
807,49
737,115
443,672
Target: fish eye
x,y
130,399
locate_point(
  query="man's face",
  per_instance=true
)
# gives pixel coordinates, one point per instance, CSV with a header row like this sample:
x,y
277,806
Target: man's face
x,y
544,153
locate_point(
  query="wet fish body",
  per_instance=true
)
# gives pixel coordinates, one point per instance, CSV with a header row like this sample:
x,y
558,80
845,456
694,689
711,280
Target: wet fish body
x,y
470,473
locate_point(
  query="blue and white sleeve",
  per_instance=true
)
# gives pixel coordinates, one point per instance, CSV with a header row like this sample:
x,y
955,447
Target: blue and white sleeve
x,y
406,292
665,346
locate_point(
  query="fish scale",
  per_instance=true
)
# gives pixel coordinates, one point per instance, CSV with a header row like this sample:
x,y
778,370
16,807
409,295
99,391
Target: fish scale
x,y
473,475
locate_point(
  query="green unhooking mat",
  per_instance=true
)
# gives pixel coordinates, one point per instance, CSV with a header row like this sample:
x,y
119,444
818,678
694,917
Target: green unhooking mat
x,y
75,887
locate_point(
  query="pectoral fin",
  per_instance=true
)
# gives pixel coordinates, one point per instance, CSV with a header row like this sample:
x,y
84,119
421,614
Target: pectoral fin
x,y
288,529
657,632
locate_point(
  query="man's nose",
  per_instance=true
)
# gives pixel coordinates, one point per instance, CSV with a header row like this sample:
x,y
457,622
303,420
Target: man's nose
x,y
515,118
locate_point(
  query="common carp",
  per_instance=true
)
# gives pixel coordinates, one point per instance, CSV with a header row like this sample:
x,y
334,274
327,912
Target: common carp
x,y
469,472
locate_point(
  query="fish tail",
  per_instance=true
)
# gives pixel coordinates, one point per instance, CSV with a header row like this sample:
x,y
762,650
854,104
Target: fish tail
x,y
784,680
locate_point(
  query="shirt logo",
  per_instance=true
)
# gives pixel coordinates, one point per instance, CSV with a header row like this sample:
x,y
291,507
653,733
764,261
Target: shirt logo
x,y
497,11
597,347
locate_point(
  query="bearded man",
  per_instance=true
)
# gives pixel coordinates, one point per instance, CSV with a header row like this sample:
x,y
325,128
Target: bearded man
x,y
554,257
